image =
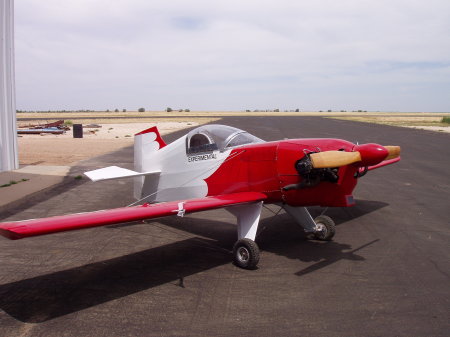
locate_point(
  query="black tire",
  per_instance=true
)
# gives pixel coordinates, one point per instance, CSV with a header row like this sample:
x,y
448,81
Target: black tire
x,y
246,254
327,226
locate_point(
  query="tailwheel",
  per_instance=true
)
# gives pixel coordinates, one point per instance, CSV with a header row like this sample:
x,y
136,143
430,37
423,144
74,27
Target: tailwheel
x,y
325,228
246,254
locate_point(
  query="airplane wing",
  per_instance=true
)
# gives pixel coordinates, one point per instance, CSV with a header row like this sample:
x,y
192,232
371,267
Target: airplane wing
x,y
22,229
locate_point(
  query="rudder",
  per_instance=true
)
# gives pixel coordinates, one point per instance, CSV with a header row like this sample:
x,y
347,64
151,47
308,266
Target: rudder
x,y
146,145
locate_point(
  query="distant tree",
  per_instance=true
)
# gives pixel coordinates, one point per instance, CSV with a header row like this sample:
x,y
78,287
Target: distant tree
x,y
141,110
276,110
107,110
180,110
247,110
329,110
187,110
116,110
124,110
169,109
297,110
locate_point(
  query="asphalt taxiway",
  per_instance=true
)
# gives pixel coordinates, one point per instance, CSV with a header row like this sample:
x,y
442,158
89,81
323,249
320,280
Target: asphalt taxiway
x,y
386,273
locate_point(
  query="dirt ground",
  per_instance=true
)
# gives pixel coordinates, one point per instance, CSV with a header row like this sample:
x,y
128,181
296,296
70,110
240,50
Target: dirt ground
x,y
63,149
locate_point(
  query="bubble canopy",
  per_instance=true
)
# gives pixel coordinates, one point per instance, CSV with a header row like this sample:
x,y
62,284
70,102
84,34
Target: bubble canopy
x,y
213,137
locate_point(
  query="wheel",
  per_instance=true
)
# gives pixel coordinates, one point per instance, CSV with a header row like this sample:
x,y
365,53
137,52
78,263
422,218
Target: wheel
x,y
246,254
325,228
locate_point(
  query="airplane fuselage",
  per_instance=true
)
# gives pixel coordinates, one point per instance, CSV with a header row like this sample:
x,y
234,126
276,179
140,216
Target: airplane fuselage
x,y
270,167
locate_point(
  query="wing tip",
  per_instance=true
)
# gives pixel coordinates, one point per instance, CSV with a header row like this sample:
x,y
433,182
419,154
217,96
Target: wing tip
x,y
10,234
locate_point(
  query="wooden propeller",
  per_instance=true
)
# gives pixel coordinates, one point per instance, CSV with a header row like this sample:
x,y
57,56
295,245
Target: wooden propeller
x,y
394,151
368,154
334,158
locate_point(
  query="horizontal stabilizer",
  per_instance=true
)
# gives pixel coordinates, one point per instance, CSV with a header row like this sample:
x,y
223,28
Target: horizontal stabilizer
x,y
22,229
114,172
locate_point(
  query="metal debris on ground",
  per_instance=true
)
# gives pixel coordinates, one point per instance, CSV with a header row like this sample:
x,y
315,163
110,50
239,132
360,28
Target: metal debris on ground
x,y
55,128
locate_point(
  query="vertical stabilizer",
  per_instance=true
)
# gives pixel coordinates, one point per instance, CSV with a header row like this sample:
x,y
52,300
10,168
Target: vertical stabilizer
x,y
146,145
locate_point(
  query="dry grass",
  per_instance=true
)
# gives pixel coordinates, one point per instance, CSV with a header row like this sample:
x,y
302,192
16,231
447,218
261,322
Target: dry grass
x,y
398,120
123,120
425,122
129,115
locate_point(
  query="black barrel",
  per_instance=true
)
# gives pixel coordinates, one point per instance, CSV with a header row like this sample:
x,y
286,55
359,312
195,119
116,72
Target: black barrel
x,y
78,131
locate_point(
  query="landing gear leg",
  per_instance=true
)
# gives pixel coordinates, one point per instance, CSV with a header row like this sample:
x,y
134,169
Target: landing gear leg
x,y
322,228
245,250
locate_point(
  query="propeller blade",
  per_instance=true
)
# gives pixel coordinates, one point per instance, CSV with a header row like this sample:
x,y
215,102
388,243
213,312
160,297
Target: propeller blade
x,y
394,152
334,158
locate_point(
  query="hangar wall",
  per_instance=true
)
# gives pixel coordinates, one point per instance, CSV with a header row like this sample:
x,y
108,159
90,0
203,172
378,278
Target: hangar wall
x,y
8,128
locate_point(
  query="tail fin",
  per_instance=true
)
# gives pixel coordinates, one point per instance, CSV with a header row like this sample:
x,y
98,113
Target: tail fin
x,y
146,144
152,134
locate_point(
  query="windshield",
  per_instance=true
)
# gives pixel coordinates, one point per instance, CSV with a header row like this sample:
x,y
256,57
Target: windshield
x,y
208,138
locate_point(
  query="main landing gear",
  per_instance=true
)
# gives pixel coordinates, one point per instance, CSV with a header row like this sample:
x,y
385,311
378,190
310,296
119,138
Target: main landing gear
x,y
323,228
246,251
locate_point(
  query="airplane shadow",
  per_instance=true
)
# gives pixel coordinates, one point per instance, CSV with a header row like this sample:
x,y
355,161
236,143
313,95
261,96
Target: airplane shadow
x,y
274,228
281,235
49,296
45,297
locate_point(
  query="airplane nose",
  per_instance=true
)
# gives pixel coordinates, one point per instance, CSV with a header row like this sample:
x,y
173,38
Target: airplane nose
x,y
371,154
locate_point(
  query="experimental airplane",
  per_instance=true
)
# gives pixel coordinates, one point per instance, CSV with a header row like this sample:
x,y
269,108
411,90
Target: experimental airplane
x,y
218,166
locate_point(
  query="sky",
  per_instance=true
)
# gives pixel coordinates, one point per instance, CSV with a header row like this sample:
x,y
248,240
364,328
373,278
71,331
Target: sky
x,y
374,55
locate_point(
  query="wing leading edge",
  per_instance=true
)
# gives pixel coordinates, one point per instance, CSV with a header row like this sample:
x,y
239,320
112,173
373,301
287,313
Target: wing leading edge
x,y
22,229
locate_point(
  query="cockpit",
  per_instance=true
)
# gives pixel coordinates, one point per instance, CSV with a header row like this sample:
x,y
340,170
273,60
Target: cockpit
x,y
214,137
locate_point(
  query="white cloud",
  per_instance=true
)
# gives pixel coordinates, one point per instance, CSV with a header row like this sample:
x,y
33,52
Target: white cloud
x,y
349,54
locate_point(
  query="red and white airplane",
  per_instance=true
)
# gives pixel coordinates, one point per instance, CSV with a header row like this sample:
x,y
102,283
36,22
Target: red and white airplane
x,y
218,166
